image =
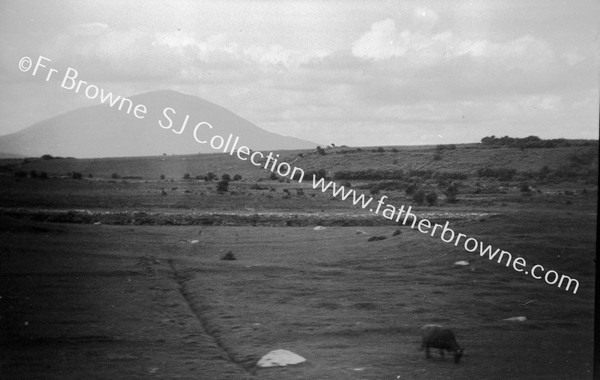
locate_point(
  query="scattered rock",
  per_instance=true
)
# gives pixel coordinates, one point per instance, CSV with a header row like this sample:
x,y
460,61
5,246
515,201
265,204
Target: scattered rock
x,y
319,228
516,319
228,256
360,232
194,241
461,263
375,238
280,358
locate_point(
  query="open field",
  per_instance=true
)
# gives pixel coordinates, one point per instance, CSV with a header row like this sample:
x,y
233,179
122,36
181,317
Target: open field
x,y
122,278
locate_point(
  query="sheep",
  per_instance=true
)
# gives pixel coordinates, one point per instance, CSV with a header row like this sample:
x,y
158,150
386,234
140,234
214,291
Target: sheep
x,y
440,337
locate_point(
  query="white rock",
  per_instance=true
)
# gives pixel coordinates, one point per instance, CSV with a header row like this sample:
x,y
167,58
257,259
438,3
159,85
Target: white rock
x,y
194,241
319,228
280,358
516,319
462,263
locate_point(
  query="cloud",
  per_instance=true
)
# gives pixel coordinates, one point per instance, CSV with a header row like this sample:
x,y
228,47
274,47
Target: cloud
x,y
423,47
381,42
90,29
425,18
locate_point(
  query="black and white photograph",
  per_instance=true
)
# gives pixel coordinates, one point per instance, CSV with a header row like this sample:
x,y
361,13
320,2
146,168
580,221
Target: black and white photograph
x,y
306,189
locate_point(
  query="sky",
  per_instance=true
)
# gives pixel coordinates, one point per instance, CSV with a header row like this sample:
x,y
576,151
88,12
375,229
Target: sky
x,y
357,73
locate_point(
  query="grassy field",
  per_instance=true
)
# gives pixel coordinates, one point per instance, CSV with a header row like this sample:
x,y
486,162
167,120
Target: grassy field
x,y
123,278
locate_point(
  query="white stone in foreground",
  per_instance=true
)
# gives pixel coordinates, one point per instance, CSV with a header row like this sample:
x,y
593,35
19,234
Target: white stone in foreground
x,y
462,263
515,319
280,358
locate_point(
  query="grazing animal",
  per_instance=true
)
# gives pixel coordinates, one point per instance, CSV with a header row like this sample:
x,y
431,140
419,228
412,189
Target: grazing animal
x,y
436,336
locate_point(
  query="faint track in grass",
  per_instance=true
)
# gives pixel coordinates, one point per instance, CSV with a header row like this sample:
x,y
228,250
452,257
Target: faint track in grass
x,y
208,327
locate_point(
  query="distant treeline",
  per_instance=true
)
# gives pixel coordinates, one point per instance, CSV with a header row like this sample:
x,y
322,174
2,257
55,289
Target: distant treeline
x,y
533,142
380,174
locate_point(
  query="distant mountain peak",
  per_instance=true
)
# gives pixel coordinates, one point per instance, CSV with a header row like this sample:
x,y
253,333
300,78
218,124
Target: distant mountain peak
x,y
102,131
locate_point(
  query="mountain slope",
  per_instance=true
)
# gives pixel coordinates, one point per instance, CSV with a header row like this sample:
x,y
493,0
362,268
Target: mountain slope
x,y
102,131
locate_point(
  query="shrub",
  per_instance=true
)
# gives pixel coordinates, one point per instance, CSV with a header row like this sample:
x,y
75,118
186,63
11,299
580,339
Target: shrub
x,y
376,238
544,172
228,256
380,150
77,175
369,174
525,187
451,193
237,177
419,196
447,175
21,174
431,198
383,185
503,174
437,156
273,177
43,175
115,176
187,176
320,173
226,177
410,189
222,186
33,174
210,176
47,157
441,147
162,176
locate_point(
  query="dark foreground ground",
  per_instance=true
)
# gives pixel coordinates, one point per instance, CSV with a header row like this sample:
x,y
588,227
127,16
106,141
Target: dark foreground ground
x,y
138,301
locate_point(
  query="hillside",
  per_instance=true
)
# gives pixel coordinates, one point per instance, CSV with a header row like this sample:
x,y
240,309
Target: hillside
x,y
464,160
102,131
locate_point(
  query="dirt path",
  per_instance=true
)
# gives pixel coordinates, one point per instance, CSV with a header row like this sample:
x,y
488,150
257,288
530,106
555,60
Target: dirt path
x,y
77,313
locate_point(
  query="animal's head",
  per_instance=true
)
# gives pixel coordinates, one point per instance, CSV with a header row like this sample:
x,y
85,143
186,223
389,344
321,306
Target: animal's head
x,y
458,354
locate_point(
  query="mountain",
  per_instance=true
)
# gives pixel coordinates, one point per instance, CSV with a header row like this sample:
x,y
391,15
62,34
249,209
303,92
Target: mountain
x,y
105,131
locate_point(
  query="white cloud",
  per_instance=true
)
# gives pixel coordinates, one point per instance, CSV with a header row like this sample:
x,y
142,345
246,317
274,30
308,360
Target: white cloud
x,y
425,18
380,42
384,41
90,29
573,58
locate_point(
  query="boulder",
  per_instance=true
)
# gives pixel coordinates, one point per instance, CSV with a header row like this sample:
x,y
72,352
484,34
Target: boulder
x,y
280,358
